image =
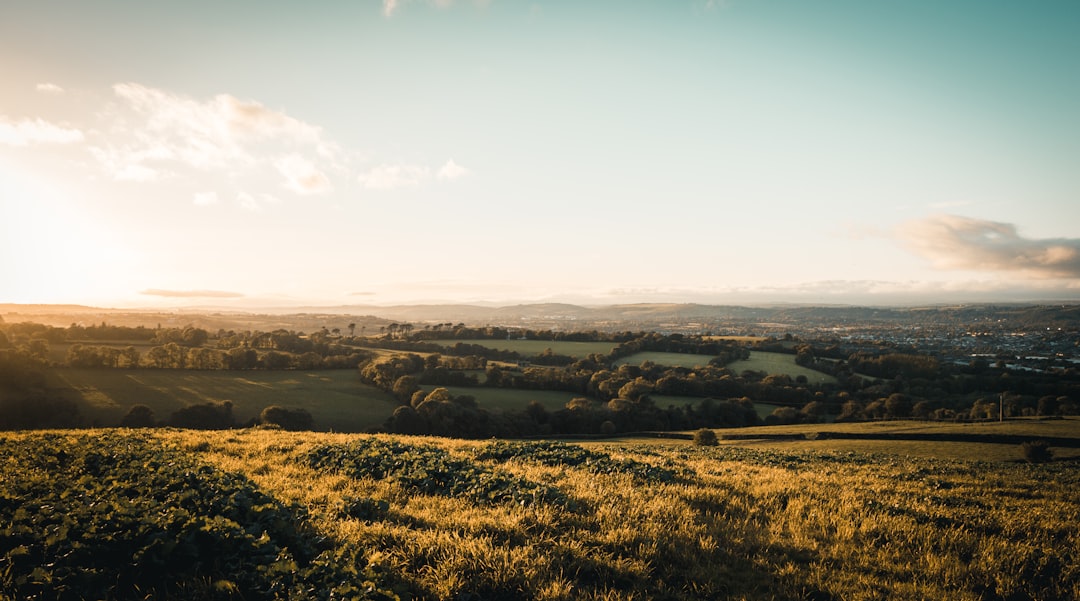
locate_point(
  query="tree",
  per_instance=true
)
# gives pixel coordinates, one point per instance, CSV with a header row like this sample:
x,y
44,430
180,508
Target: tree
x,y
898,405
288,419
204,416
782,415
813,412
139,416
352,330
404,387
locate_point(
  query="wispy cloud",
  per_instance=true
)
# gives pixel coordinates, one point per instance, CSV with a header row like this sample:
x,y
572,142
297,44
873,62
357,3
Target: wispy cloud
x,y
956,242
190,293
301,175
452,170
155,132
392,177
49,88
35,131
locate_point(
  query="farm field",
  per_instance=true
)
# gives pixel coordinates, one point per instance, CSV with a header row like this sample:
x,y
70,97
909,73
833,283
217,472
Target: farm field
x,y
668,359
918,439
779,363
336,398
531,348
304,515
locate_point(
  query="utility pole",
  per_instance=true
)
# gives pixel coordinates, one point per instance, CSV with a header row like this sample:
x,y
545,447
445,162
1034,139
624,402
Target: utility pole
x,y
1001,407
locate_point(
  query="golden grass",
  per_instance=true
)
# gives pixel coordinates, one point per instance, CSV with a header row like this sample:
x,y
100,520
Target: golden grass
x,y
817,521
810,520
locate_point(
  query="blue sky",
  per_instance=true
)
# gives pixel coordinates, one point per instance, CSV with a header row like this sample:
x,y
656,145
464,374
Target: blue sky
x,y
252,153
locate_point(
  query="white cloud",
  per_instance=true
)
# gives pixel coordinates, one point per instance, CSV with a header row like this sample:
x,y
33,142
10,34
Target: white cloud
x,y
452,170
36,131
49,88
301,175
154,130
391,177
389,6
204,199
955,242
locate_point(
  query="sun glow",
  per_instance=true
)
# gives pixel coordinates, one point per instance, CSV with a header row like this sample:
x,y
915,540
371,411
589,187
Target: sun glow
x,y
51,246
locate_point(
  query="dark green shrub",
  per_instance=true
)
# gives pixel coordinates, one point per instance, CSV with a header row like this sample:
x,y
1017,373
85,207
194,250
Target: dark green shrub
x,y
139,416
204,416
705,438
1037,451
288,419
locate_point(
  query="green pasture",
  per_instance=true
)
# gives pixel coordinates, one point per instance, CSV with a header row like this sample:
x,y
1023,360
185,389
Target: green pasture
x,y
531,348
779,363
503,399
892,442
336,398
668,359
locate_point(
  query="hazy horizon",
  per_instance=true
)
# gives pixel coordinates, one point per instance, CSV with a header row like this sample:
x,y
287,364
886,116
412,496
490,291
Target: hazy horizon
x,y
499,152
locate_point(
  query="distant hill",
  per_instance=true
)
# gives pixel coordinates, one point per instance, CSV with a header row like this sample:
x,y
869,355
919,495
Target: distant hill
x,y
562,316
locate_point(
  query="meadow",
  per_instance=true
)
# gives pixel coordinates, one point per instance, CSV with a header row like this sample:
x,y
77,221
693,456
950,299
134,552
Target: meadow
x,y
667,359
265,514
779,363
336,398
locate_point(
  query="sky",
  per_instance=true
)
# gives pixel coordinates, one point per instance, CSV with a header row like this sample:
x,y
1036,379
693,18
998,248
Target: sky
x,y
265,153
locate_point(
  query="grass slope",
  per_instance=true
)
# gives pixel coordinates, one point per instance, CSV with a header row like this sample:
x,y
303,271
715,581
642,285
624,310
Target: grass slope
x,y
438,519
669,359
779,363
336,398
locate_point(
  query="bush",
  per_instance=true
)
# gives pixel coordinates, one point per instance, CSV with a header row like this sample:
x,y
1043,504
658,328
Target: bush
x,y
205,416
139,416
705,438
288,419
1037,451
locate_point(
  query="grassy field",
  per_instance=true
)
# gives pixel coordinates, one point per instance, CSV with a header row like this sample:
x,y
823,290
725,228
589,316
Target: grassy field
x,y
310,515
779,363
531,348
889,438
669,359
336,398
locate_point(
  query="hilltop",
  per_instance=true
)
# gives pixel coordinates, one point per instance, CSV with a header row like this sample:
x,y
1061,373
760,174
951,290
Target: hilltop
x,y
266,514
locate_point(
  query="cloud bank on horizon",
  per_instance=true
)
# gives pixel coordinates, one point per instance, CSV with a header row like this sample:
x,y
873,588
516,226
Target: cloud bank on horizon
x,y
956,242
